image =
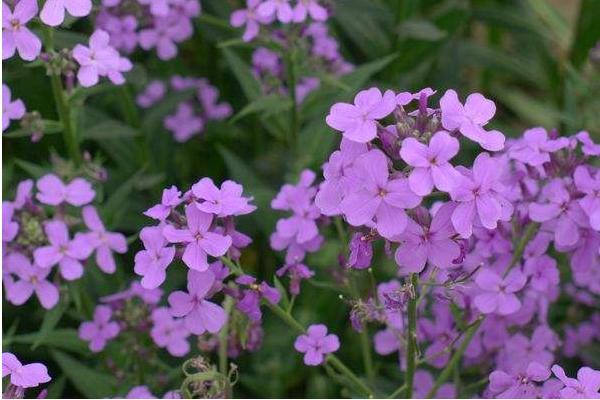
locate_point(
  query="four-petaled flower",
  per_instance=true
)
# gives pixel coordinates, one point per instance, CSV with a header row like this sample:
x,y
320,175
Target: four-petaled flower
x,y
15,34
52,191
32,279
316,344
152,262
24,376
499,293
99,331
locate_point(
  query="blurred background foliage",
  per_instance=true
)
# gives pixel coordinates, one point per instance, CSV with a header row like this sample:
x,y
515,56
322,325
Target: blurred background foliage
x,y
532,57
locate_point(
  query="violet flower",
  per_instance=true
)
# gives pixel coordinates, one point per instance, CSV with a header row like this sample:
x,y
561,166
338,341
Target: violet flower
x,y
357,121
52,191
184,124
62,251
223,202
316,344
100,330
171,198
15,34
199,240
53,12
200,315
11,110
152,262
170,333
32,279
24,376
586,386
499,293
102,241
470,118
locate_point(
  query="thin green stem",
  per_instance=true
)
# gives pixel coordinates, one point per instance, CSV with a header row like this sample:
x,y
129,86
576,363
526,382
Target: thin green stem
x,y
291,83
341,367
411,352
331,359
399,390
62,105
365,342
520,247
456,357
223,337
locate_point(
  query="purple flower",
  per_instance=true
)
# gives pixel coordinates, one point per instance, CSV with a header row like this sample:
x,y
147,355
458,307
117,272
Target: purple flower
x,y
23,195
564,214
535,147
589,185
519,385
249,303
281,8
430,162
53,13
11,110
198,239
297,272
184,123
357,121
152,262
224,202
122,31
140,392
378,196
52,191
169,332
361,251
62,251
250,18
101,240
31,279
339,176
24,376
588,147
208,95
171,198
100,59
316,343
471,118
586,385
423,382
309,7
543,273
420,244
498,293
200,315
15,34
157,7
100,330
478,196
166,32
10,228
152,94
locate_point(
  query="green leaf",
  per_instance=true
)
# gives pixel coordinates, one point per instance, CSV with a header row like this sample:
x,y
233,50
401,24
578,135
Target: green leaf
x,y
32,169
267,106
51,319
48,128
587,32
554,22
89,382
285,300
109,129
531,110
241,70
357,78
62,338
115,207
421,29
56,387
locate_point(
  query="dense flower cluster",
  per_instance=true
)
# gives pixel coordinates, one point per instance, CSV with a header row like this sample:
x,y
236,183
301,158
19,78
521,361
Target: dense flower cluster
x,y
311,41
190,116
150,24
55,227
482,244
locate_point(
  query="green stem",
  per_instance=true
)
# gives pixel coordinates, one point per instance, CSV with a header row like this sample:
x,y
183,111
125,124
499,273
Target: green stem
x,y
331,359
412,336
520,248
62,106
291,83
397,392
365,343
223,337
456,357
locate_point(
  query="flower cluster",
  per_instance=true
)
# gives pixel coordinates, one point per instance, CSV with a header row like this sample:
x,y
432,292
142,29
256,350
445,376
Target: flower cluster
x,y
194,226
149,24
311,42
56,227
191,115
478,235
299,233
